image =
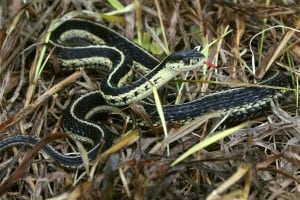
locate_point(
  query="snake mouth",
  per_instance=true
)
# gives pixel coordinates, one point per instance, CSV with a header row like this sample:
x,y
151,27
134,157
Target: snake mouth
x,y
182,61
185,55
195,56
192,56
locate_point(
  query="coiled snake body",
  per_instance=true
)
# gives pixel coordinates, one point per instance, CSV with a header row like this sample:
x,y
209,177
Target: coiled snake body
x,y
82,43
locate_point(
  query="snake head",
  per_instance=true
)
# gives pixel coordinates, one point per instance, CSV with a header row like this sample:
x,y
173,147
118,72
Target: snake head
x,y
184,60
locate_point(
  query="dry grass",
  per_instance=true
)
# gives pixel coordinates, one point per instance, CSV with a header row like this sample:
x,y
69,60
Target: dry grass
x,y
260,161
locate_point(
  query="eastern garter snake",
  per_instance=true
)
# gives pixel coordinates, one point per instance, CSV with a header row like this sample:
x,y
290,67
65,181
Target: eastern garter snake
x,y
81,43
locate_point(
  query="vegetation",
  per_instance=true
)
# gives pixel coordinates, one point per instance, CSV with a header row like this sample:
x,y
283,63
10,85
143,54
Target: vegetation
x,y
244,39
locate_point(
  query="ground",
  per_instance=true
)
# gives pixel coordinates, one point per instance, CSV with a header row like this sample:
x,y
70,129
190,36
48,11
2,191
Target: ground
x,y
243,41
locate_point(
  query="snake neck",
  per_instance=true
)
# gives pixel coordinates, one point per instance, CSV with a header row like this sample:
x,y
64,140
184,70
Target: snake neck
x,y
137,90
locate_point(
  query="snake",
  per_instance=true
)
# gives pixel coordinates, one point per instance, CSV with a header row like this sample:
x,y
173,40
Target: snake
x,y
88,44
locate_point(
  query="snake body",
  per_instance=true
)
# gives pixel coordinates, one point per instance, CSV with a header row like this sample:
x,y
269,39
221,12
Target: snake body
x,y
82,43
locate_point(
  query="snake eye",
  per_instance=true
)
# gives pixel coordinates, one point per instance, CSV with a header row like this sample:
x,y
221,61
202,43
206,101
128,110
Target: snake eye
x,y
198,48
185,56
183,60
